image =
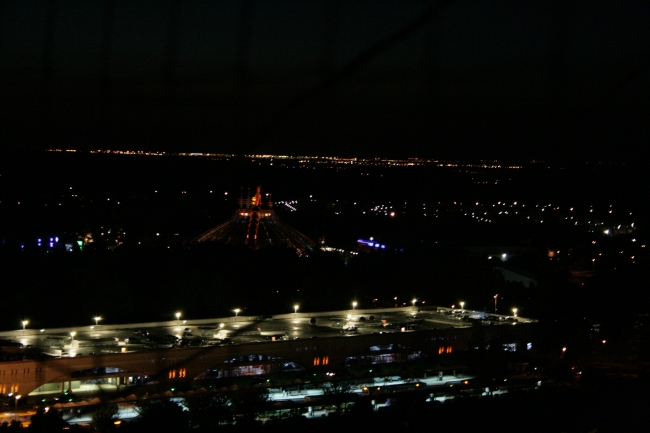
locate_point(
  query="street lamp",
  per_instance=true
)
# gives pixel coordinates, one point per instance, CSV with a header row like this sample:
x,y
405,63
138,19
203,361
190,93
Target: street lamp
x,y
354,304
97,319
295,310
16,407
593,265
25,322
495,302
514,312
72,334
414,301
462,305
178,316
236,310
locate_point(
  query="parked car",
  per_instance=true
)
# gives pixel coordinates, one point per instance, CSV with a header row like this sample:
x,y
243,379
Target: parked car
x,y
350,330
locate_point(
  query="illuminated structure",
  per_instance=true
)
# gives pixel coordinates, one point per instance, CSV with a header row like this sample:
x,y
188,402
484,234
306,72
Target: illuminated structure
x,y
257,227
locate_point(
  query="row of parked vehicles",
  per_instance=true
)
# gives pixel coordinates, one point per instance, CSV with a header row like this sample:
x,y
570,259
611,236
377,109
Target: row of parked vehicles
x,y
168,341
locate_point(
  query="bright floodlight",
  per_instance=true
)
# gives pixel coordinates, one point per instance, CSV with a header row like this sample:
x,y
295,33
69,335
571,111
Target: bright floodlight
x,y
414,301
354,305
295,308
514,311
72,334
97,319
178,316
462,305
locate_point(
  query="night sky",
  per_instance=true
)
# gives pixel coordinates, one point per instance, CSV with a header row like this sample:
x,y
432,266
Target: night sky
x,y
534,79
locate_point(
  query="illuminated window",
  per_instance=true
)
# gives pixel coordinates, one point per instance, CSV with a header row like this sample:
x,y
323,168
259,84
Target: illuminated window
x,y
326,360
448,349
317,361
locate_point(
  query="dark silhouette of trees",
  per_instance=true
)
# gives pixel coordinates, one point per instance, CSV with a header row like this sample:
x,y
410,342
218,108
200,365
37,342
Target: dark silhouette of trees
x,y
49,421
337,393
249,401
103,417
208,411
161,415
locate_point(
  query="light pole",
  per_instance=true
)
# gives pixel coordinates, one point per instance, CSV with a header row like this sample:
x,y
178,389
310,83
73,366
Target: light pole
x,y
236,310
97,319
593,265
462,305
514,312
25,322
495,302
354,305
295,310
178,316
220,328
16,407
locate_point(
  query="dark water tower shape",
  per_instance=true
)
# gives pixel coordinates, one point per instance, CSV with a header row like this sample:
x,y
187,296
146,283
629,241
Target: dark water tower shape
x,y
257,227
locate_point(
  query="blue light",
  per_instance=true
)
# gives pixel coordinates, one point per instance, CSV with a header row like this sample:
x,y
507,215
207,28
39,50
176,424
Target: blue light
x,y
51,244
56,239
51,240
38,240
371,244
383,246
22,246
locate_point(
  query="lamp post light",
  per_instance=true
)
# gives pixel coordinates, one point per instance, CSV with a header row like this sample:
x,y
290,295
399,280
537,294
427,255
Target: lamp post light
x,y
220,328
24,322
414,301
593,265
72,334
354,305
16,406
462,305
97,319
495,302
514,312
295,310
236,310
178,316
